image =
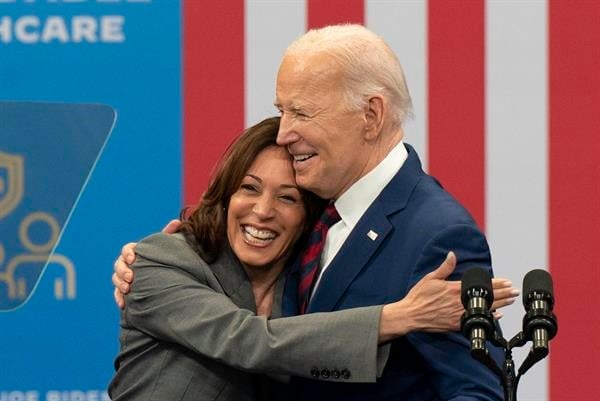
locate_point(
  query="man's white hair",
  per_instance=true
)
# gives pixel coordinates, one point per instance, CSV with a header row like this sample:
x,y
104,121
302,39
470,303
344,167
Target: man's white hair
x,y
368,64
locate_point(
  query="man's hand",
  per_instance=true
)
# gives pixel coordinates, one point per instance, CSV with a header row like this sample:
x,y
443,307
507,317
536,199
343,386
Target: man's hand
x,y
434,304
123,275
172,227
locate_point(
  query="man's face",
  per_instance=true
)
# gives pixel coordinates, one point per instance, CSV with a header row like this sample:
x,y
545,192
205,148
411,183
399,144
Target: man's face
x,y
325,139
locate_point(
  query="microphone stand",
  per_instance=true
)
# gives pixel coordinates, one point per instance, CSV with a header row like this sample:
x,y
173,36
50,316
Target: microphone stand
x,y
509,380
507,375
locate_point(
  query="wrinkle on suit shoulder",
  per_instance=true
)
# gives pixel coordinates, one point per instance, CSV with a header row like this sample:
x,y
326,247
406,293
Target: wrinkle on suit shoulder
x,y
170,250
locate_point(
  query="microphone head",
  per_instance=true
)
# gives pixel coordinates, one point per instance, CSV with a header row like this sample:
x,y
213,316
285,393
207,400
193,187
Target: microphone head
x,y
476,279
537,284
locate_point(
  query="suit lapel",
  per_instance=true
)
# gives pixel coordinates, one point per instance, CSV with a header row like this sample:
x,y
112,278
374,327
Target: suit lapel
x,y
367,236
233,279
289,305
350,260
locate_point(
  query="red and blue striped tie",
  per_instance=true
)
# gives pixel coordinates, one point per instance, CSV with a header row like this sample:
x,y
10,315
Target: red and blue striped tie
x,y
311,258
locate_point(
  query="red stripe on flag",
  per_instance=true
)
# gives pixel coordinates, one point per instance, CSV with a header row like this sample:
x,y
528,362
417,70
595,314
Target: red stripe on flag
x,y
456,100
574,121
213,77
329,12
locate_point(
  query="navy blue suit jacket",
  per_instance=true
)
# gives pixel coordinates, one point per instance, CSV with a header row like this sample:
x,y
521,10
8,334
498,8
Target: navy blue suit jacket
x,y
417,222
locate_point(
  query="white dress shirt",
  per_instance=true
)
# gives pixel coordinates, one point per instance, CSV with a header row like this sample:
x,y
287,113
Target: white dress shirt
x,y
353,203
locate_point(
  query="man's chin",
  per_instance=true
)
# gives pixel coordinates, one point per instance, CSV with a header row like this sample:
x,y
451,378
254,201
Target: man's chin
x,y
315,187
308,182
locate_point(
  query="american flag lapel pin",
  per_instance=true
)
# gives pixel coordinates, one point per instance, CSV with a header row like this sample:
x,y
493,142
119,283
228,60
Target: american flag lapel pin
x,y
372,234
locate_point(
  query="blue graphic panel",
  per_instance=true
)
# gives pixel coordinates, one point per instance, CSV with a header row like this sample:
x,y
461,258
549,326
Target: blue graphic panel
x,y
47,153
61,343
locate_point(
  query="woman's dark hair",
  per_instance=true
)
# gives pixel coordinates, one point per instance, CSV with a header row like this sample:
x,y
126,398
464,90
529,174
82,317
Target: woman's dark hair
x,y
206,223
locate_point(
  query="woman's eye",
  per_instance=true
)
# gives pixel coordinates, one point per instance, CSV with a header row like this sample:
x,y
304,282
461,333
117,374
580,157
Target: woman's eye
x,y
248,187
288,199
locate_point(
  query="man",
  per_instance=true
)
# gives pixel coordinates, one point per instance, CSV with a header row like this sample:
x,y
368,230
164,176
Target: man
x,y
343,99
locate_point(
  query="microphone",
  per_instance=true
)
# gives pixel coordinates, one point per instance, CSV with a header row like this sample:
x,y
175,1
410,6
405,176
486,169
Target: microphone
x,y
477,323
539,322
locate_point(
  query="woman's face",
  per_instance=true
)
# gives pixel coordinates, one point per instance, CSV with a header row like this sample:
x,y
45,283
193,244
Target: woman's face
x,y
266,214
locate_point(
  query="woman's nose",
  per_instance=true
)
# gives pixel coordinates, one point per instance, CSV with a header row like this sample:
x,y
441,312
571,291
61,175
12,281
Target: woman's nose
x,y
263,208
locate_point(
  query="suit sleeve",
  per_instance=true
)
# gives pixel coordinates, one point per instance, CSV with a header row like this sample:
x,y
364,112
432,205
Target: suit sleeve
x,y
455,374
178,304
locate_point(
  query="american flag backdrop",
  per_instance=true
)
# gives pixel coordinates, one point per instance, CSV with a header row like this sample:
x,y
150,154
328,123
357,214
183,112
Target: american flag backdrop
x,y
507,115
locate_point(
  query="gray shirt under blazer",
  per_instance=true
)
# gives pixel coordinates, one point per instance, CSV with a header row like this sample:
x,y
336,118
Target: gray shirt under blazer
x,y
190,332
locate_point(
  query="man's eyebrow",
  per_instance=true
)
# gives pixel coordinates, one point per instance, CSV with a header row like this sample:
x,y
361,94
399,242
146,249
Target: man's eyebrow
x,y
294,107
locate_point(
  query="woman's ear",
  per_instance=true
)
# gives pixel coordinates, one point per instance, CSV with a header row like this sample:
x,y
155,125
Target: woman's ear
x,y
374,112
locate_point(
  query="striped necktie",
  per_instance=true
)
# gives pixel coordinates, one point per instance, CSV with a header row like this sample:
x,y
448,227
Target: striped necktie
x,y
311,257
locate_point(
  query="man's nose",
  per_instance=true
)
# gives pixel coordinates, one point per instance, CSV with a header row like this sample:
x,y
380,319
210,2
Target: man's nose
x,y
286,134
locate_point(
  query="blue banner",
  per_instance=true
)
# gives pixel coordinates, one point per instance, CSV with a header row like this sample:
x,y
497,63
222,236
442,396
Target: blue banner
x,y
58,339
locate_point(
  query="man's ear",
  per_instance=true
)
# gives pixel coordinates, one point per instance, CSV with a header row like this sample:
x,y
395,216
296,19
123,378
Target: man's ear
x,y
374,117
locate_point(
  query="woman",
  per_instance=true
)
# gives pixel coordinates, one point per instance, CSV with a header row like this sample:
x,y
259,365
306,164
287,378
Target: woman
x,y
189,331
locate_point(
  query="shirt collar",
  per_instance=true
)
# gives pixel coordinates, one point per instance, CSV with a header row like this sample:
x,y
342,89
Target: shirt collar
x,y
353,203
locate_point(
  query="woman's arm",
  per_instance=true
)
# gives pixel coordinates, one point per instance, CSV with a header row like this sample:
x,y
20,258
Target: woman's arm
x,y
176,298
182,304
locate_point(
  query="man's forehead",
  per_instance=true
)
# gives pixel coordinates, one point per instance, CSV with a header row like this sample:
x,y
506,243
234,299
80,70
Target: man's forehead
x,y
305,85
299,97
302,64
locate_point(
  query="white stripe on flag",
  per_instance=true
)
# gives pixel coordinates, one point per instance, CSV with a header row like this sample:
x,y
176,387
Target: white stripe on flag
x,y
403,25
516,156
270,27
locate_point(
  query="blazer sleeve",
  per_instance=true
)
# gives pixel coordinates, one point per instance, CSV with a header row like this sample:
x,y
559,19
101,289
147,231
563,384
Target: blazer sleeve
x,y
177,304
455,374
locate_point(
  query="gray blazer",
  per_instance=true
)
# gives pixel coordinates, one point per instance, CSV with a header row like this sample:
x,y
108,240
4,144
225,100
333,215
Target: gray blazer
x,y
189,332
